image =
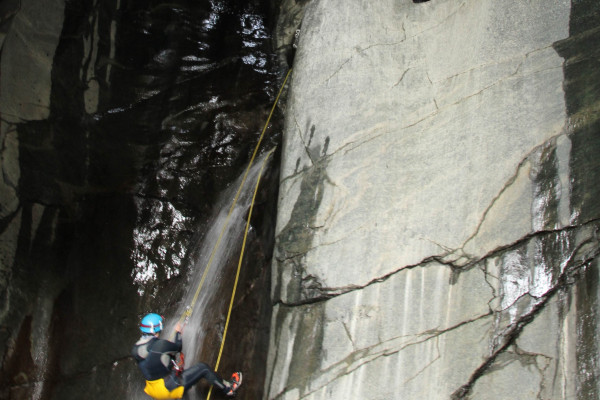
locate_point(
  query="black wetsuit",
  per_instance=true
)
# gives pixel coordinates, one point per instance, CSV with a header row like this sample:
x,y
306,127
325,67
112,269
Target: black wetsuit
x,y
154,358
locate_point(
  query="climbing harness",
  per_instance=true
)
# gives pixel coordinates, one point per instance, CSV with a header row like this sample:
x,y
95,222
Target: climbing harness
x,y
178,365
183,320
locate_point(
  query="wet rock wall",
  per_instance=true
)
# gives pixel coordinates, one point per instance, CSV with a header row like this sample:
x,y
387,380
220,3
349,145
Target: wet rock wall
x,y
121,123
437,229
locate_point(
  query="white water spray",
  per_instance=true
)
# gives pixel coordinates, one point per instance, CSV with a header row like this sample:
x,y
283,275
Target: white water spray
x,y
223,238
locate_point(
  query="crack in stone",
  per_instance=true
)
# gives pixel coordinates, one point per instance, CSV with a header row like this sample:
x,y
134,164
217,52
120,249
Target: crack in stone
x,y
349,335
520,241
512,332
329,293
450,15
515,301
462,99
528,358
327,157
498,62
507,185
289,256
360,52
372,353
437,332
417,122
574,265
306,148
486,275
429,364
401,78
337,70
483,89
480,91
14,117
353,145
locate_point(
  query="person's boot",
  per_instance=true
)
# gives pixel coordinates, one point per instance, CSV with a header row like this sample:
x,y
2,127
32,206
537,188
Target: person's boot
x,y
235,383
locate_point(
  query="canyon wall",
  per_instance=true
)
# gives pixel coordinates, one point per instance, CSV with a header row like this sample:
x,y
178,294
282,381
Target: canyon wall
x,y
437,231
122,124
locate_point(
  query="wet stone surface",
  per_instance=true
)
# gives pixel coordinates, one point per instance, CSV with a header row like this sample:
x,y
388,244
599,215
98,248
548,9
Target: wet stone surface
x,y
155,109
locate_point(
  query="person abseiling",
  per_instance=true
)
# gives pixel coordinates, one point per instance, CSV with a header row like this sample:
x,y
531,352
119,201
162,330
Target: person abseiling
x,y
156,359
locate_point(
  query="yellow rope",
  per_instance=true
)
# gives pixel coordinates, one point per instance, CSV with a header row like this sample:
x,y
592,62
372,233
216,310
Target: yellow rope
x,y
239,267
190,308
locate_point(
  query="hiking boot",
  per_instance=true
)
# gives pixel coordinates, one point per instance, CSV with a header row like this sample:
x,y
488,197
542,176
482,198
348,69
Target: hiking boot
x,y
235,383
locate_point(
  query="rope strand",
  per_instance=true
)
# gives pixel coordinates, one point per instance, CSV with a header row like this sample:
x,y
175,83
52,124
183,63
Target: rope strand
x,y
190,309
239,267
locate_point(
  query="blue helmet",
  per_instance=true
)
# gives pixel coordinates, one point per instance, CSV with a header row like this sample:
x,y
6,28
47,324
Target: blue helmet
x,y
151,323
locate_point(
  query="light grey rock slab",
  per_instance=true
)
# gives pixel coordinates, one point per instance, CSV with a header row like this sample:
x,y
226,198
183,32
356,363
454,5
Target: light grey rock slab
x,y
548,344
416,134
415,145
408,318
540,364
510,380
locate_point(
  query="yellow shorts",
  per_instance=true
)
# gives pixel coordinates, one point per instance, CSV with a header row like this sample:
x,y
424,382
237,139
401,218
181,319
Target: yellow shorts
x,y
156,389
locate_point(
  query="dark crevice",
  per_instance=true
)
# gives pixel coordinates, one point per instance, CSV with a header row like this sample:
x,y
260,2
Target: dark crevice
x,y
329,293
532,235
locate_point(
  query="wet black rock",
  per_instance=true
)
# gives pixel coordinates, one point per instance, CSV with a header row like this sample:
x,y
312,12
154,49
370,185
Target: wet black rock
x,y
155,108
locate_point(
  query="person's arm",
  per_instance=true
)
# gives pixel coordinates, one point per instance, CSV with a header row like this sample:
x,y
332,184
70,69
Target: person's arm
x,y
178,336
167,347
178,341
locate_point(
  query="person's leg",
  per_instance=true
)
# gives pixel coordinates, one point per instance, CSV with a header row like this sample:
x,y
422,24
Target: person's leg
x,y
172,381
192,375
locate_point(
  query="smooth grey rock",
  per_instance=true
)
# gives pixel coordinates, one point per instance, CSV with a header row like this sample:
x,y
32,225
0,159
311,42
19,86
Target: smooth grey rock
x,y
26,64
408,144
511,380
418,133
396,329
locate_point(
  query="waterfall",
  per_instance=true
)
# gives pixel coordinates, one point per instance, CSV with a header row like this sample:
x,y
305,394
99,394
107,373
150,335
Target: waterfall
x,y
217,249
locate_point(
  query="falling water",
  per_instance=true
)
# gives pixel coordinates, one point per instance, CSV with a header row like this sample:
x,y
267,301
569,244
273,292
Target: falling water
x,y
213,253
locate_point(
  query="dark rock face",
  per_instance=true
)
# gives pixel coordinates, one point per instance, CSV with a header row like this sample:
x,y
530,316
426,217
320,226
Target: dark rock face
x,y
582,93
154,109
